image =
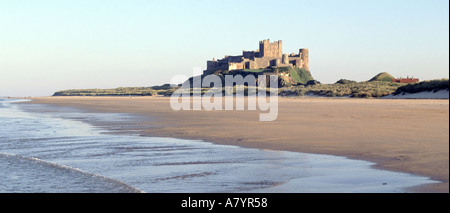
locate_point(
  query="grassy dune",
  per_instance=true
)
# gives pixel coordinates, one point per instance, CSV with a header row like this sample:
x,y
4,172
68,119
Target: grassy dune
x,y
292,82
345,88
121,91
428,86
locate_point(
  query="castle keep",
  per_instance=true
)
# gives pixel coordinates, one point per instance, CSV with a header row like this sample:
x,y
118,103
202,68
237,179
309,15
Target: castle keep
x,y
269,54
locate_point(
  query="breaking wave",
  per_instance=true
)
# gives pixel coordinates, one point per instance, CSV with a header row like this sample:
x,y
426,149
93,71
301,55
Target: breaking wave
x,y
48,177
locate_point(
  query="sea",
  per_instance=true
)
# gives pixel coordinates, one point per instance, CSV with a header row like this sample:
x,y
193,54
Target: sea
x,y
50,149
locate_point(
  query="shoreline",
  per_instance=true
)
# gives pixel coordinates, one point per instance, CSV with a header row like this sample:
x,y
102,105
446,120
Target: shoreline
x,y
364,129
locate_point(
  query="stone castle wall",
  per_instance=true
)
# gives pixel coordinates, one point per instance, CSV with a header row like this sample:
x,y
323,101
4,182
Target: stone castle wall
x,y
269,54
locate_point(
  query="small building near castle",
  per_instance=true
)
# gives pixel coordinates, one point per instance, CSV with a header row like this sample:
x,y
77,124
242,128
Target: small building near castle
x,y
405,80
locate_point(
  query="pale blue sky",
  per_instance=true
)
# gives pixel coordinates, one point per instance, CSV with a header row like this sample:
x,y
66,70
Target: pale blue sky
x,y
49,45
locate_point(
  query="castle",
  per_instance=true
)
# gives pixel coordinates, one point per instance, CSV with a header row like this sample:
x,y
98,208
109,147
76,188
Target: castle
x,y
269,54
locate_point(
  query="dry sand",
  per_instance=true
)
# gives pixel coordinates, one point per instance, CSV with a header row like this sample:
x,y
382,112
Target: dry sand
x,y
401,135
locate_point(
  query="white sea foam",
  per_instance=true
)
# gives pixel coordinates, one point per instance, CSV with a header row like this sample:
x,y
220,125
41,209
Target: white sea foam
x,y
67,179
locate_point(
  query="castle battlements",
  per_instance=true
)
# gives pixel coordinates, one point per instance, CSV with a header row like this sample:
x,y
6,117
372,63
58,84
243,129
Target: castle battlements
x,y
269,54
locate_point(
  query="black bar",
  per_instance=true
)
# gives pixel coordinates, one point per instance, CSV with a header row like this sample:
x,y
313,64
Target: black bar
x,y
249,202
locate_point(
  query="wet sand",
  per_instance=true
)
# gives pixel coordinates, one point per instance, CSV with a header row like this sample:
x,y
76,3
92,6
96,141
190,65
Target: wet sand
x,y
400,135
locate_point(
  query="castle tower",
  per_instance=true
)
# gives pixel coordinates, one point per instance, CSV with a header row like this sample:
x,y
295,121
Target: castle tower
x,y
303,53
267,49
285,59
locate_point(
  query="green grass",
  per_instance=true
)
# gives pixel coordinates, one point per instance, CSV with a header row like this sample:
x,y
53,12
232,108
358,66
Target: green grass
x,y
121,91
384,76
302,76
298,76
256,70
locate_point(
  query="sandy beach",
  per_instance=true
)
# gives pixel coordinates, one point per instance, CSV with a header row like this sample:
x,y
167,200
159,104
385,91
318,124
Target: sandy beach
x,y
400,135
